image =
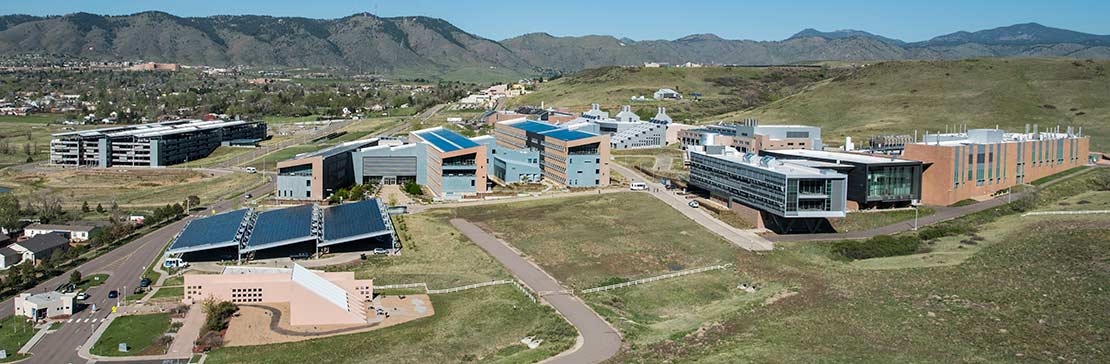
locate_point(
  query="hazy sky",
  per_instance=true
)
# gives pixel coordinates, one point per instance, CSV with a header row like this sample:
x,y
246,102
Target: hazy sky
x,y
644,19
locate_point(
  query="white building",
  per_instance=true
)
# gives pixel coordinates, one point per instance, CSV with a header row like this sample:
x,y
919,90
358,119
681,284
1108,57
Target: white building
x,y
43,305
667,94
76,233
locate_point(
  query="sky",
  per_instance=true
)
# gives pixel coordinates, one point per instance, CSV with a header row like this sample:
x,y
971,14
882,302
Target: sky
x,y
909,20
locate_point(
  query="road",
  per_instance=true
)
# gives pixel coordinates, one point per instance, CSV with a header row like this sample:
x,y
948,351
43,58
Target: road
x,y
598,340
124,265
741,238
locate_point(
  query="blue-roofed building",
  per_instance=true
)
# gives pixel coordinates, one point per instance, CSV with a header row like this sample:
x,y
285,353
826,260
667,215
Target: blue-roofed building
x,y
300,230
455,165
574,158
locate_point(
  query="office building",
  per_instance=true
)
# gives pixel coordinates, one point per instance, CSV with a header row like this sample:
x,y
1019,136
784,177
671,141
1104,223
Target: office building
x,y
749,136
873,181
980,162
508,165
315,176
314,297
572,158
151,145
786,197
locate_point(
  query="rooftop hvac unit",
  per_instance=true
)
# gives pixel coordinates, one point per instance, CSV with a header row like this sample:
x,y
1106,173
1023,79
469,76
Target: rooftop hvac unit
x,y
748,157
766,161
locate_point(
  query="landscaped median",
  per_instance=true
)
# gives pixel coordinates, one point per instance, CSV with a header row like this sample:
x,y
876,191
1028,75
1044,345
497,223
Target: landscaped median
x,y
143,335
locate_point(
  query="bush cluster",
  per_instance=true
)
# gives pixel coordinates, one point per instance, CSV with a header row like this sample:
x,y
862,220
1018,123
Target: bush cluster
x,y
877,247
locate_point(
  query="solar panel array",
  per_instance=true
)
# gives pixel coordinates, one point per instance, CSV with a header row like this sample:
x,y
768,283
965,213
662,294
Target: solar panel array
x,y
284,225
533,126
446,140
567,135
213,230
352,220
343,223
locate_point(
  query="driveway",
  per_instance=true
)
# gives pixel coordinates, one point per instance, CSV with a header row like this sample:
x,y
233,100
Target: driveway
x,y
598,341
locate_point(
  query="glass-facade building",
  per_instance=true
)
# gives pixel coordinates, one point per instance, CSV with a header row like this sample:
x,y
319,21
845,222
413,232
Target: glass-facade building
x,y
873,181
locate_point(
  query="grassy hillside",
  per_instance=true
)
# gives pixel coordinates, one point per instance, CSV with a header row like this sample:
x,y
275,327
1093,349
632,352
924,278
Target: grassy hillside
x,y
723,89
898,97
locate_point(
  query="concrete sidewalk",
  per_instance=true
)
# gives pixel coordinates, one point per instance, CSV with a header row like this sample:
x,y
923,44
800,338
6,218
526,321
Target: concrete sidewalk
x,y
26,348
598,341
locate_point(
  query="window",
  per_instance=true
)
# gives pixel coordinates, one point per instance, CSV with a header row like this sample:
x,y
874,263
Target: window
x,y
308,183
308,194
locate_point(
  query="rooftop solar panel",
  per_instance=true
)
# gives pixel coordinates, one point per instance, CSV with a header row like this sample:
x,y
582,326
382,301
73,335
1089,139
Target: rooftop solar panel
x,y
209,232
354,221
446,140
456,138
568,135
280,227
535,127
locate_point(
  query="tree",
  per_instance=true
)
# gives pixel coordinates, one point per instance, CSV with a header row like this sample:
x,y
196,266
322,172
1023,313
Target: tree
x,y
75,278
9,211
192,201
115,206
85,207
99,208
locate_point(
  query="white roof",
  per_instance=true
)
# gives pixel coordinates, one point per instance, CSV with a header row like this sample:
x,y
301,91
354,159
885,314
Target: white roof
x,y
838,156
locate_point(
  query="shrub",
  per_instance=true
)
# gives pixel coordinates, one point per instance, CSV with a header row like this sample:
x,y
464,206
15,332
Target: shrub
x,y
952,228
876,247
413,189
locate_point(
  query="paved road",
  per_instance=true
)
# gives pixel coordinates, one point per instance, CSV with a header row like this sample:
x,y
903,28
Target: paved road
x,y
741,238
599,341
124,265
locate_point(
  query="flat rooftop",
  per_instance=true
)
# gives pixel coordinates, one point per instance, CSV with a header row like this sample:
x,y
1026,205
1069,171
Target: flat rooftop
x,y
837,156
550,131
989,136
784,167
445,140
154,129
338,149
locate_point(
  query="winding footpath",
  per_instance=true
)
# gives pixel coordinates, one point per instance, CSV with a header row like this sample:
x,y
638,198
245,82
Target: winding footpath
x,y
597,339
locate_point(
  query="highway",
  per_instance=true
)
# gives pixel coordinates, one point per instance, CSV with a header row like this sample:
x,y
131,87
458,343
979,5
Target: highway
x,y
124,265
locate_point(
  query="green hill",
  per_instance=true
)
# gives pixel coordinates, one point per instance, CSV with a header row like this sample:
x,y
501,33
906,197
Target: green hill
x,y
723,89
899,97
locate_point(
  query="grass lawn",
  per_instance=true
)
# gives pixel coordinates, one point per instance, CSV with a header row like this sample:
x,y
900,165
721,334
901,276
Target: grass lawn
x,y
1063,174
169,292
597,240
633,162
861,221
14,332
435,253
174,281
140,332
1033,293
92,281
130,188
480,325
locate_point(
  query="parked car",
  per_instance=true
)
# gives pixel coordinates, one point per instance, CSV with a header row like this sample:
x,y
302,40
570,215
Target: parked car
x,y
299,256
145,282
694,204
247,196
113,294
637,186
251,170
82,296
380,251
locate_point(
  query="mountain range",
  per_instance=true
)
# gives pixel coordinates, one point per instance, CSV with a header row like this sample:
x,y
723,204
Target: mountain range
x,y
415,46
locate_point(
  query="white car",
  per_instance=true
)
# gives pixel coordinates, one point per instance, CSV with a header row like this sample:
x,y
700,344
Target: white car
x,y
694,204
251,170
637,186
82,296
